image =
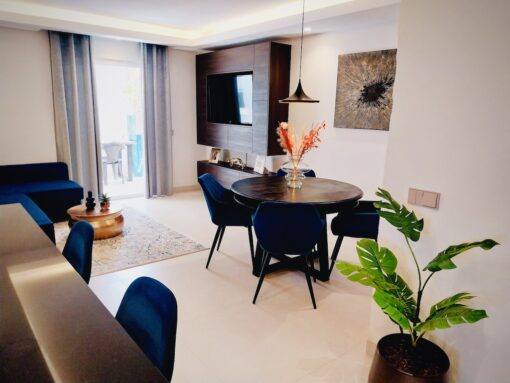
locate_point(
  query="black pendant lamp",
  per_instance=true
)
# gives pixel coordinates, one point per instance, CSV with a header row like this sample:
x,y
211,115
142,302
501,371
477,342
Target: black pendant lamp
x,y
299,95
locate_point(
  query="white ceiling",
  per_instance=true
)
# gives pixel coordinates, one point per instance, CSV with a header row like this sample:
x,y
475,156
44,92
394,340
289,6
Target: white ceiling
x,y
193,24
186,14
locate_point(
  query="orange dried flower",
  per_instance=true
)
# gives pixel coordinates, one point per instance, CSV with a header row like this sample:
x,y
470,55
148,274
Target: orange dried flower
x,y
289,143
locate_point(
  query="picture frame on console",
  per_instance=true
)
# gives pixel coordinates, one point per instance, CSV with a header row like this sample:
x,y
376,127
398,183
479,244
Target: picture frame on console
x,y
260,165
214,156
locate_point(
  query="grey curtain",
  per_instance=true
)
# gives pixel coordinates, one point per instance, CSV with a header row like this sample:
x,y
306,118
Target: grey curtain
x,y
76,127
158,130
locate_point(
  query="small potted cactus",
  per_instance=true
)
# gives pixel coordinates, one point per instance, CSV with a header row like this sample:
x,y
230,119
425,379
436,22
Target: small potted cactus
x,y
104,202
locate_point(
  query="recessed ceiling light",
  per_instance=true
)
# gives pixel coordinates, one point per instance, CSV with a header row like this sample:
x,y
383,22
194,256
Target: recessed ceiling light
x,y
308,29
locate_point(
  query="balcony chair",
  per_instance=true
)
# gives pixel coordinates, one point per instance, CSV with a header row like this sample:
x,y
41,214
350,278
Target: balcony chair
x,y
224,211
287,229
113,157
148,313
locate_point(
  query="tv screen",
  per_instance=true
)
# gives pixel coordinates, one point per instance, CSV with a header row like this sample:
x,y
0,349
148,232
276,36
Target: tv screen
x,y
229,98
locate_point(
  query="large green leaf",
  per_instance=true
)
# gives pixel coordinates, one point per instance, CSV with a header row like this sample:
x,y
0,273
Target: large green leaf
x,y
404,294
447,302
443,260
392,307
452,315
360,275
404,220
378,261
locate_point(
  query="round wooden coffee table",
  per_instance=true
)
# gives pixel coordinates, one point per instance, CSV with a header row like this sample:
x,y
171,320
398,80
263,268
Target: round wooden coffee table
x,y
106,224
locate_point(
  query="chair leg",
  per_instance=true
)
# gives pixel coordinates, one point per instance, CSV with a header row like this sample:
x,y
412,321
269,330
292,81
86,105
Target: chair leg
x,y
213,246
265,261
252,251
336,250
308,280
221,237
312,267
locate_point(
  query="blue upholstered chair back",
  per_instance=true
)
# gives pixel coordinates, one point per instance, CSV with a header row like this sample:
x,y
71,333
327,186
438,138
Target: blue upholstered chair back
x,y
216,196
281,173
78,248
148,312
222,207
287,228
361,221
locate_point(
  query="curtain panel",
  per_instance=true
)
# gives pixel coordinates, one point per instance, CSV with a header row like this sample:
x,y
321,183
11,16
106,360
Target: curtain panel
x,y
76,126
158,129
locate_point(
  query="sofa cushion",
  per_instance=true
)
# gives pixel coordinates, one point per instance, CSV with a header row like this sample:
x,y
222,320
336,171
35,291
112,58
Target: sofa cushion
x,y
35,212
53,197
52,171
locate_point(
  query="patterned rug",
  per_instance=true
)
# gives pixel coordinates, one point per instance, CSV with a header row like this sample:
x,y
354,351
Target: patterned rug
x,y
142,241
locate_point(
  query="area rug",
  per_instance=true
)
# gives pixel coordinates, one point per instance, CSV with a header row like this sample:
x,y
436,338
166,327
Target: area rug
x,y
142,241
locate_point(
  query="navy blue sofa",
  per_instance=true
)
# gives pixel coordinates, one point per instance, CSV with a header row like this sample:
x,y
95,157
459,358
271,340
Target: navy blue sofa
x,y
44,190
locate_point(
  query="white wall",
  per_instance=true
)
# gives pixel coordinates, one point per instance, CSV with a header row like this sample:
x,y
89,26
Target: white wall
x,y
27,131
450,133
186,152
351,155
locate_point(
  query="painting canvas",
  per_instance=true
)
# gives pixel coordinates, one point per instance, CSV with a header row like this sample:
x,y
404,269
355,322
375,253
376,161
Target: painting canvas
x,y
364,90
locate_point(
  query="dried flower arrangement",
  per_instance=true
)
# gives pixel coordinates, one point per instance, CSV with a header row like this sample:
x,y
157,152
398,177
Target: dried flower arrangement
x,y
295,144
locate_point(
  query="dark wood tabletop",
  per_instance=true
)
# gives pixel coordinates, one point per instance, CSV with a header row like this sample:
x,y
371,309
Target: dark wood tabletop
x,y
327,195
52,326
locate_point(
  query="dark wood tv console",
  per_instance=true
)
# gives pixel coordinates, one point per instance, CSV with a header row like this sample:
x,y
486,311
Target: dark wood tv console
x,y
270,64
224,173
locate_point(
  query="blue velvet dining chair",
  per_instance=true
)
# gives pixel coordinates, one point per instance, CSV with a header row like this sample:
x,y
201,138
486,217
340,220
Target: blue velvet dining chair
x,y
287,229
78,248
148,313
224,211
361,221
282,173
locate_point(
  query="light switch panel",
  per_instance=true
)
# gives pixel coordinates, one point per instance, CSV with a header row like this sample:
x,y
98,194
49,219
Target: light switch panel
x,y
423,198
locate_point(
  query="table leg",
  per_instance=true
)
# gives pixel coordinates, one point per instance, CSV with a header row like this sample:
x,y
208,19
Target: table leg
x,y
130,162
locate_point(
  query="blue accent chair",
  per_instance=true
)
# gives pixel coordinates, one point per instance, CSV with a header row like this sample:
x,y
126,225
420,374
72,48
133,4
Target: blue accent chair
x,y
361,221
287,229
224,211
148,313
309,173
78,248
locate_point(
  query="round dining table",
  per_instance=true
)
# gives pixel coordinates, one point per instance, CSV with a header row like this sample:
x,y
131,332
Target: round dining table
x,y
328,196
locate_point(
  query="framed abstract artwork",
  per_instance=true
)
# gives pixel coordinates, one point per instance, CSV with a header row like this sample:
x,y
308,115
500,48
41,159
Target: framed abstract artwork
x,y
364,90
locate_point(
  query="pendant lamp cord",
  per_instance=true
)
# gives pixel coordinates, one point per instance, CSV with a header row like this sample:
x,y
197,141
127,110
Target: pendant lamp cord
x,y
302,31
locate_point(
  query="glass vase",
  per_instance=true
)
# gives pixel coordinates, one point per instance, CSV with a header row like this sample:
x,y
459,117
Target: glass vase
x,y
295,170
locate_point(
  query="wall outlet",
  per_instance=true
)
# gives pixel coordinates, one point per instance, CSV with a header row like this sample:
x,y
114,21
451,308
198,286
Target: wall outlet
x,y
424,198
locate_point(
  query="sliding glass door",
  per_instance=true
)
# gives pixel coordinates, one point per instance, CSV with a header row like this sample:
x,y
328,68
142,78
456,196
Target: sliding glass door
x,y
120,113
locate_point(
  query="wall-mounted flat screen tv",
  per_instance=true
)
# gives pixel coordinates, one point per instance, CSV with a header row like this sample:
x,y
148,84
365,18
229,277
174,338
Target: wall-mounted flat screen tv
x,y
229,98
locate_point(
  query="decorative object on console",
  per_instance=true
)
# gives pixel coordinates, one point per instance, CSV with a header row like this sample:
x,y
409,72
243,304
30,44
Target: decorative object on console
x,y
364,90
104,202
237,162
260,165
296,144
91,204
406,358
214,156
299,95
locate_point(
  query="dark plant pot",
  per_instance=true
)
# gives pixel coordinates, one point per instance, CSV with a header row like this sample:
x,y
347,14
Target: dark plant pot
x,y
104,206
397,361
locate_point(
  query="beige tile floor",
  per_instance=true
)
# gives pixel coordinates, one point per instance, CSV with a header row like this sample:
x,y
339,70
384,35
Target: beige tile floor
x,y
221,336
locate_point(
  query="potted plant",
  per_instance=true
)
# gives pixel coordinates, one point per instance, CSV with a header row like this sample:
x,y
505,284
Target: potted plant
x,y
407,356
104,202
